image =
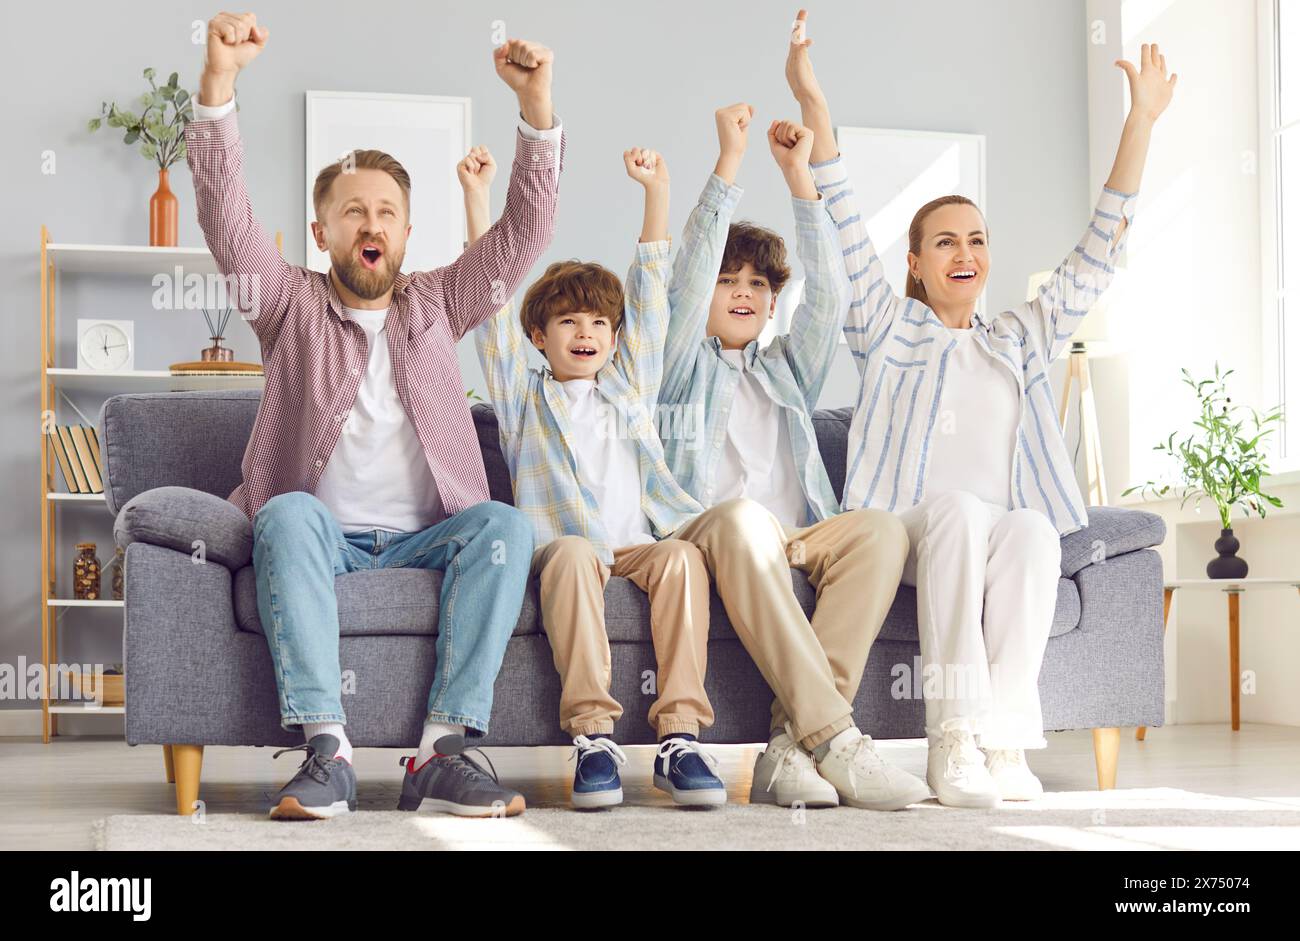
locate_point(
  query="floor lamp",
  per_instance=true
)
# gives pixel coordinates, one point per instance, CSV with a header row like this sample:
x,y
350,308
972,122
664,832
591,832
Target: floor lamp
x,y
1092,331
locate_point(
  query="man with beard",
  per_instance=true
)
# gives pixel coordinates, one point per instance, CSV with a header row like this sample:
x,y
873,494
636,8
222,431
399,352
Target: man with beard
x,y
363,454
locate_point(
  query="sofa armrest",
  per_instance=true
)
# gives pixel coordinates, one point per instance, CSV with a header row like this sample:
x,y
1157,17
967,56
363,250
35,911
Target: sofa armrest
x,y
178,517
1111,531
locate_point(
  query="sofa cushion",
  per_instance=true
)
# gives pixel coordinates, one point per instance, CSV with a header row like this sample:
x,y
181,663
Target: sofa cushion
x,y
405,601
489,442
900,622
1111,531
178,517
379,601
181,439
832,428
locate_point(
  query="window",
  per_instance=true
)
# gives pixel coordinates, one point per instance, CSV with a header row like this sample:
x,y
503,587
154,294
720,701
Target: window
x,y
1279,22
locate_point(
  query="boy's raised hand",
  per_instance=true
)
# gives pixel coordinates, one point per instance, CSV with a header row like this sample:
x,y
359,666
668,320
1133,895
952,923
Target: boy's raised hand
x,y
526,68
798,66
792,145
476,171
647,167
733,137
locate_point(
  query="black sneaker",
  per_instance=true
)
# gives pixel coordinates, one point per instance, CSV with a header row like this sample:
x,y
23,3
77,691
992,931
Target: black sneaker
x,y
324,786
455,784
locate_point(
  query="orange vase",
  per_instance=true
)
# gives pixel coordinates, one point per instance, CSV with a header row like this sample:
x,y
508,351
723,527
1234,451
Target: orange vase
x,y
162,213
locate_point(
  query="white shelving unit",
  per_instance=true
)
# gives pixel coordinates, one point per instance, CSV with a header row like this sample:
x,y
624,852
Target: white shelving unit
x,y
129,260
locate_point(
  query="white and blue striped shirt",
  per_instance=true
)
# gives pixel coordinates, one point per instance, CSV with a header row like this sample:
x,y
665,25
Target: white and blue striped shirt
x,y
902,349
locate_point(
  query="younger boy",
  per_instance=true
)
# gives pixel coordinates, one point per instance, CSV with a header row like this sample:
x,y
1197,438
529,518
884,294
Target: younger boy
x,y
589,472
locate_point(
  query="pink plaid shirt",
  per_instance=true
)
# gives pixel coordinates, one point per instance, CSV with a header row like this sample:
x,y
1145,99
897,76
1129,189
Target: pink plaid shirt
x,y
314,356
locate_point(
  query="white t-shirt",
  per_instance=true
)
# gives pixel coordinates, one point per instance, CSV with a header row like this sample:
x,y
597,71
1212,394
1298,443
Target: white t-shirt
x,y
377,476
975,431
608,465
757,459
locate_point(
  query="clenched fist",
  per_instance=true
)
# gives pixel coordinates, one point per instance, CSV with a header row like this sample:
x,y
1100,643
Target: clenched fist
x,y
476,171
733,128
791,145
234,40
526,67
646,166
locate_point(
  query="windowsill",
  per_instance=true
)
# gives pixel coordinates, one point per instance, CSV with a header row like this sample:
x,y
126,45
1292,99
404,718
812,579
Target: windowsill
x,y
1288,478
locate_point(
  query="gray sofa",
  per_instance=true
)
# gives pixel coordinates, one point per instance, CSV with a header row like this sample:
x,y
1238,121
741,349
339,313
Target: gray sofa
x,y
198,671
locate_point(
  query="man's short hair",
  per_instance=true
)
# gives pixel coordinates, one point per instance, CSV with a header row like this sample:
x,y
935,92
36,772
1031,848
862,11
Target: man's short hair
x,y
762,248
568,287
361,160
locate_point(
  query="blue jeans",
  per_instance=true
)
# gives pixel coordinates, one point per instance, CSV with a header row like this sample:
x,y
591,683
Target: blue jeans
x,y
484,553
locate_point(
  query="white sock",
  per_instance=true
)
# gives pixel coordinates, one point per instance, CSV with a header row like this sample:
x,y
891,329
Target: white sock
x,y
311,729
432,732
836,741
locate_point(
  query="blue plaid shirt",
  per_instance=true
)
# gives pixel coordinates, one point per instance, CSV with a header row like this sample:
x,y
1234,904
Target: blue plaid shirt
x,y
699,384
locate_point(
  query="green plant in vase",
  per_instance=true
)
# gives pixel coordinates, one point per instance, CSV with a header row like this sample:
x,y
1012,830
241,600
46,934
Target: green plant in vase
x,y
159,129
1222,463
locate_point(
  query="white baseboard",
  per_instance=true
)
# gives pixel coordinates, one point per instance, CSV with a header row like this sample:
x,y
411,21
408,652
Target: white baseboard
x,y
23,723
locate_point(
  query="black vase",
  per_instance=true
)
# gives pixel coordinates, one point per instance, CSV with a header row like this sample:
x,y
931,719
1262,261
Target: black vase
x,y
1227,565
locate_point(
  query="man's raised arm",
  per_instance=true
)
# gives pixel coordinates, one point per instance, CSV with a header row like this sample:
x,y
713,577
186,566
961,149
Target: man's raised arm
x,y
242,247
479,282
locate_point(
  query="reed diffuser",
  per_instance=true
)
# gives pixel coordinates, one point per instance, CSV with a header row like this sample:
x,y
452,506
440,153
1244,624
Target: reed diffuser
x,y
216,353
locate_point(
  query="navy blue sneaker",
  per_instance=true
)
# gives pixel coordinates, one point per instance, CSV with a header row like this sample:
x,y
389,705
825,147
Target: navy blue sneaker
x,y
595,777
686,773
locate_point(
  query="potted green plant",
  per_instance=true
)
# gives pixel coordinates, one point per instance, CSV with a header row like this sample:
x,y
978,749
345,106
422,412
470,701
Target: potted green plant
x,y
160,131
1221,463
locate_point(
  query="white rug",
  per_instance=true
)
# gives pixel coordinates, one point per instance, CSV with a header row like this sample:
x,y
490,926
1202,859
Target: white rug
x,y
1139,819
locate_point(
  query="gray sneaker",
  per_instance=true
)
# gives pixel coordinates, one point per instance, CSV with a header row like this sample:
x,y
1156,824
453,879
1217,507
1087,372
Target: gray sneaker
x,y
453,783
324,786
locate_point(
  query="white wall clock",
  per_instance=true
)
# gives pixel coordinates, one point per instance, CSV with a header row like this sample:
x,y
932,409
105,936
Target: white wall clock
x,y
105,345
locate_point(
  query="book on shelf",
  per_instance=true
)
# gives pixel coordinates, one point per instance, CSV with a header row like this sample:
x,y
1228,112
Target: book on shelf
x,y
93,436
76,451
89,466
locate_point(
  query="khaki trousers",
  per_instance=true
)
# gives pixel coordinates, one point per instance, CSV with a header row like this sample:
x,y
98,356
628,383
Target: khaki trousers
x,y
572,590
853,560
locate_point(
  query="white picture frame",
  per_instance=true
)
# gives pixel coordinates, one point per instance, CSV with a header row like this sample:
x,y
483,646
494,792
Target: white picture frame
x,y
427,134
894,173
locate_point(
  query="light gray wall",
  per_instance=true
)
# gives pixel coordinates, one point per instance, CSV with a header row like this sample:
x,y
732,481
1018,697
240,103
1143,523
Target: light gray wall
x,y
626,75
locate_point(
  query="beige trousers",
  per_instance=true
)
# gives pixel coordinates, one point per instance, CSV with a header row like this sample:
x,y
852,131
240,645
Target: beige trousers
x,y
853,560
572,589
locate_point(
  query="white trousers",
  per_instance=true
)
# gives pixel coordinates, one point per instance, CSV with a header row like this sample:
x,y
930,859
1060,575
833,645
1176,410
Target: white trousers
x,y
986,581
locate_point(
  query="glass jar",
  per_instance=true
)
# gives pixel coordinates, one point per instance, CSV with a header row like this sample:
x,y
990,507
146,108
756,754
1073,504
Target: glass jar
x,y
85,573
119,572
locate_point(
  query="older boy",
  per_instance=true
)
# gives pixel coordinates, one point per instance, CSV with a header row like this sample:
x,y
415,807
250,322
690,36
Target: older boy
x,y
759,444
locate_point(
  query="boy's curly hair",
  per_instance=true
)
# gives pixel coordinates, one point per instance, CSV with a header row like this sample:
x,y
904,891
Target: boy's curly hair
x,y
762,248
570,286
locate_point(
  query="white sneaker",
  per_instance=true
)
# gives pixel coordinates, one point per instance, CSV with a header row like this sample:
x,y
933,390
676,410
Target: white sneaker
x,y
863,779
785,773
1014,780
956,772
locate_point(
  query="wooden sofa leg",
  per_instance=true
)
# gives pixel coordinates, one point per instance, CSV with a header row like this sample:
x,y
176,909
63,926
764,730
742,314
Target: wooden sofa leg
x,y
187,761
1105,745
167,764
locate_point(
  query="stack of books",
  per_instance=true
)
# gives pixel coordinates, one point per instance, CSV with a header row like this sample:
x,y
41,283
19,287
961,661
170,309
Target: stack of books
x,y
76,449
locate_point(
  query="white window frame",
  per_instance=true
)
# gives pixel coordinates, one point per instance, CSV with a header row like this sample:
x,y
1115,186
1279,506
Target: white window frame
x,y
1285,454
